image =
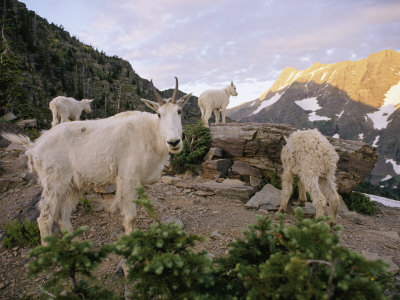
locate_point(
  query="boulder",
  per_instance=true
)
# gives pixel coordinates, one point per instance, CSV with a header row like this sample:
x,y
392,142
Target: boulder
x,y
269,198
238,192
259,145
9,117
170,179
215,169
245,172
393,268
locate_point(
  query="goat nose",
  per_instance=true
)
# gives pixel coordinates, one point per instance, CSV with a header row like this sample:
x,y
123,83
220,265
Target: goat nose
x,y
173,143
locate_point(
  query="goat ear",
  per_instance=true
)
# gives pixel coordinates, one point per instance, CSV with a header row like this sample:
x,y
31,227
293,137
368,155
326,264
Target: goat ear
x,y
153,105
91,100
181,102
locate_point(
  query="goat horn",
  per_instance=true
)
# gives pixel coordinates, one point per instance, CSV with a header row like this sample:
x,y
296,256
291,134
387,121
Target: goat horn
x,y
173,99
159,99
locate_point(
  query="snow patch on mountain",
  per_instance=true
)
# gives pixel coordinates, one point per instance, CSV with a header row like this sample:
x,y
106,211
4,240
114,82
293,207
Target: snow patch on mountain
x,y
376,140
361,136
311,104
340,114
385,201
267,103
391,102
386,178
396,167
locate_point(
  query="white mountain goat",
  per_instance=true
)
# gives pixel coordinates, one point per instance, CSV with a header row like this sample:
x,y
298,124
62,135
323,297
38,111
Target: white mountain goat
x,y
126,150
66,109
215,101
310,156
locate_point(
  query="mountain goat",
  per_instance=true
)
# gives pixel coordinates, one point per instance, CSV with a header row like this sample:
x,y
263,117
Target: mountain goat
x,y
125,150
309,155
66,109
215,101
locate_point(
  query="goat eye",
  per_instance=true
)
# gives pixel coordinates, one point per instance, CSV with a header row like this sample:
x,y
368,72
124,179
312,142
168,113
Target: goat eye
x,y
179,111
158,114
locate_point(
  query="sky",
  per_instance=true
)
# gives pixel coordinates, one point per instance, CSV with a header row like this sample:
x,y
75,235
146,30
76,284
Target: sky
x,y
209,43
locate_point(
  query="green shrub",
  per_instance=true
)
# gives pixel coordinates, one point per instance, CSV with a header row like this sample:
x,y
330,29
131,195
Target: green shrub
x,y
86,204
24,233
162,265
196,144
360,203
66,260
304,261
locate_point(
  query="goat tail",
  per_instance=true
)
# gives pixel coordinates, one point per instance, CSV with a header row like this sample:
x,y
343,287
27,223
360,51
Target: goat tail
x,y
20,139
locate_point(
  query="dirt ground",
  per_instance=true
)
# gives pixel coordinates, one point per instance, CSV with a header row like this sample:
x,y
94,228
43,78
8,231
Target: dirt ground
x,y
219,219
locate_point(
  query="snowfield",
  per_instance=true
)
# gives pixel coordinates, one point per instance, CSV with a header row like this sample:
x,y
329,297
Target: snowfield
x,y
385,201
267,103
312,104
396,167
380,118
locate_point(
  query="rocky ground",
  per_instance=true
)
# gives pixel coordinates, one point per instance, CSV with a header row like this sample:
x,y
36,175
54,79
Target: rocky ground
x,y
206,213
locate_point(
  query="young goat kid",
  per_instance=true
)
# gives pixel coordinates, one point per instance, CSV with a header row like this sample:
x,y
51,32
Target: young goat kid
x,y
66,109
127,150
310,156
215,101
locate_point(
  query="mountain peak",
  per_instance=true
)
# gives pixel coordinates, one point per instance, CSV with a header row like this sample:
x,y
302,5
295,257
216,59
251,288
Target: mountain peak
x,y
363,79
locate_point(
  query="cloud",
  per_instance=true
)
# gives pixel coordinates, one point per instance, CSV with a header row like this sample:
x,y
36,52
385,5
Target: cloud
x,y
207,43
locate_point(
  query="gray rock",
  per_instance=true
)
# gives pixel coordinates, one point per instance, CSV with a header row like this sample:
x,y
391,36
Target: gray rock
x,y
269,198
387,233
393,268
309,210
215,169
204,193
31,212
354,217
169,219
236,192
233,182
216,236
170,179
28,176
9,117
245,173
213,153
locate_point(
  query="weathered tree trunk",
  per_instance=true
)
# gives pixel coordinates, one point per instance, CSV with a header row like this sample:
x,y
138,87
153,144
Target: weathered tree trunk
x,y
260,144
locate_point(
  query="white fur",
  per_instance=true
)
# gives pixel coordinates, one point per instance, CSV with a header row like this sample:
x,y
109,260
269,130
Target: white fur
x,y
215,101
66,109
127,149
310,156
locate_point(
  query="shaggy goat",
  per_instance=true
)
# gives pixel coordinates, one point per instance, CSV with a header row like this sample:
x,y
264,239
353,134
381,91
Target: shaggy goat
x,y
309,155
127,150
66,109
215,100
